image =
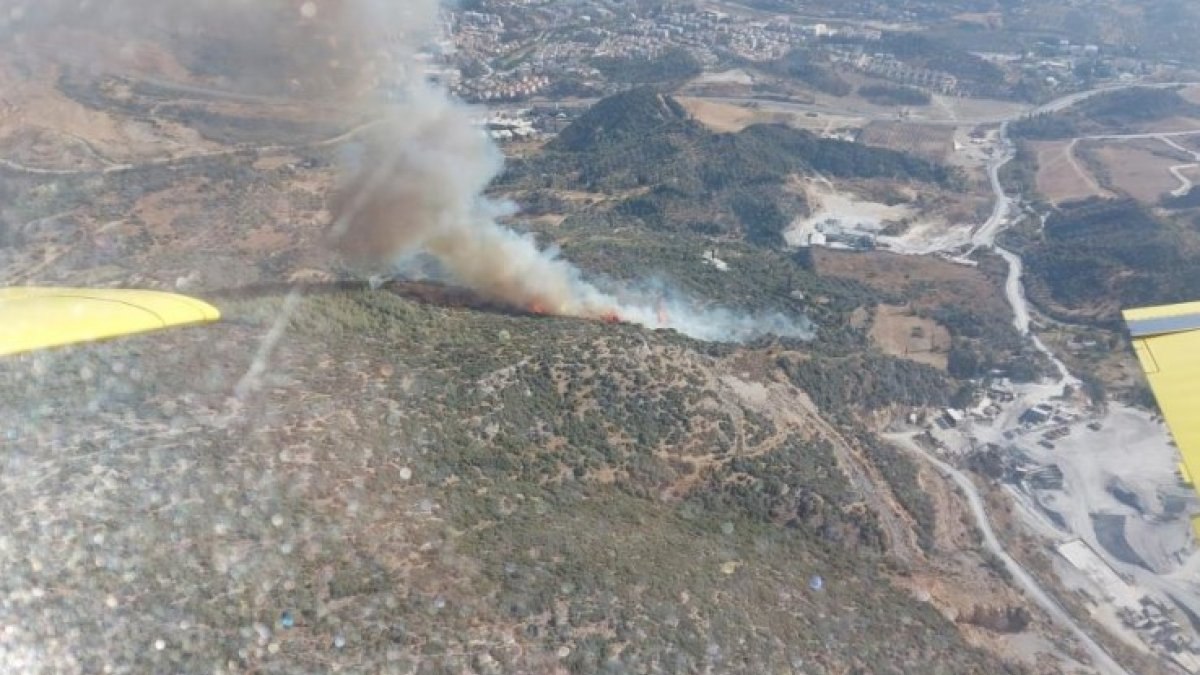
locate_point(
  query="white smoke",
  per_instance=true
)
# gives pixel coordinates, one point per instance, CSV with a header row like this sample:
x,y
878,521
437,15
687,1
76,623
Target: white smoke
x,y
418,190
421,191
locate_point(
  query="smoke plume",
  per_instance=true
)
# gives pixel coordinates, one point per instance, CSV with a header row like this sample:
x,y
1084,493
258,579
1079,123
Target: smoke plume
x,y
311,50
421,191
419,186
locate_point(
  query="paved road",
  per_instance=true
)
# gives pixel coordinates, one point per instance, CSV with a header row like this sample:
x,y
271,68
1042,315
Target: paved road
x,y
803,108
1103,661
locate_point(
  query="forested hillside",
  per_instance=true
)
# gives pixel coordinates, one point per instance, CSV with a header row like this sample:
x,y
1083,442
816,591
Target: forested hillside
x,y
1114,112
1101,255
673,174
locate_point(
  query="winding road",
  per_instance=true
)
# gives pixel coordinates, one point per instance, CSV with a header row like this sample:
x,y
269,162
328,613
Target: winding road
x,y
985,237
1103,660
1185,183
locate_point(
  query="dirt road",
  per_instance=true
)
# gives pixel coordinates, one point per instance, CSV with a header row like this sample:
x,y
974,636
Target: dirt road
x,y
170,161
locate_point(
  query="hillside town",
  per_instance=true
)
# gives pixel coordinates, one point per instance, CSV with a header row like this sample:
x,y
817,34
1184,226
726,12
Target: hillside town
x,y
501,51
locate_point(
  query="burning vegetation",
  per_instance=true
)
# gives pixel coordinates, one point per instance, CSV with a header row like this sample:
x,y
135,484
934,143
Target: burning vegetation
x,y
414,196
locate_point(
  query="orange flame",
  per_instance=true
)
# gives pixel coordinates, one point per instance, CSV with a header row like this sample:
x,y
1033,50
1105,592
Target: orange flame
x,y
664,318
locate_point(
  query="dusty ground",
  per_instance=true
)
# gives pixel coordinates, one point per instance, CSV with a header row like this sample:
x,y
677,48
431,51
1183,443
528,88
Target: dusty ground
x,y
729,117
1192,94
1191,174
735,76
1174,124
41,126
1131,453
977,108
974,588
1061,176
899,332
842,208
929,281
1115,366
1141,170
904,218
942,108
928,141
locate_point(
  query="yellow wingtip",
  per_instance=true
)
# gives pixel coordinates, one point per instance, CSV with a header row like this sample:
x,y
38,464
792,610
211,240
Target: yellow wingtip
x,y
33,318
1166,341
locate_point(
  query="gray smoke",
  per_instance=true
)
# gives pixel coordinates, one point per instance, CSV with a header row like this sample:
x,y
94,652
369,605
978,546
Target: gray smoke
x,y
304,49
417,189
421,190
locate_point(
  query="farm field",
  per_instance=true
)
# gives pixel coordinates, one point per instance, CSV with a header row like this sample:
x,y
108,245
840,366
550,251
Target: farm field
x,y
928,141
1139,170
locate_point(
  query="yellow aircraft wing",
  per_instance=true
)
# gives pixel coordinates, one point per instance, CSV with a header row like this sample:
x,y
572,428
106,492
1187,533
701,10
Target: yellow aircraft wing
x,y
39,318
1167,342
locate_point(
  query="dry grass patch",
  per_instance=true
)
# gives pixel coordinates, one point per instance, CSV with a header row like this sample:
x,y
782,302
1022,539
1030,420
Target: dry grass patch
x,y
926,282
1174,125
1143,172
897,331
729,118
30,103
924,140
1061,177
1189,142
